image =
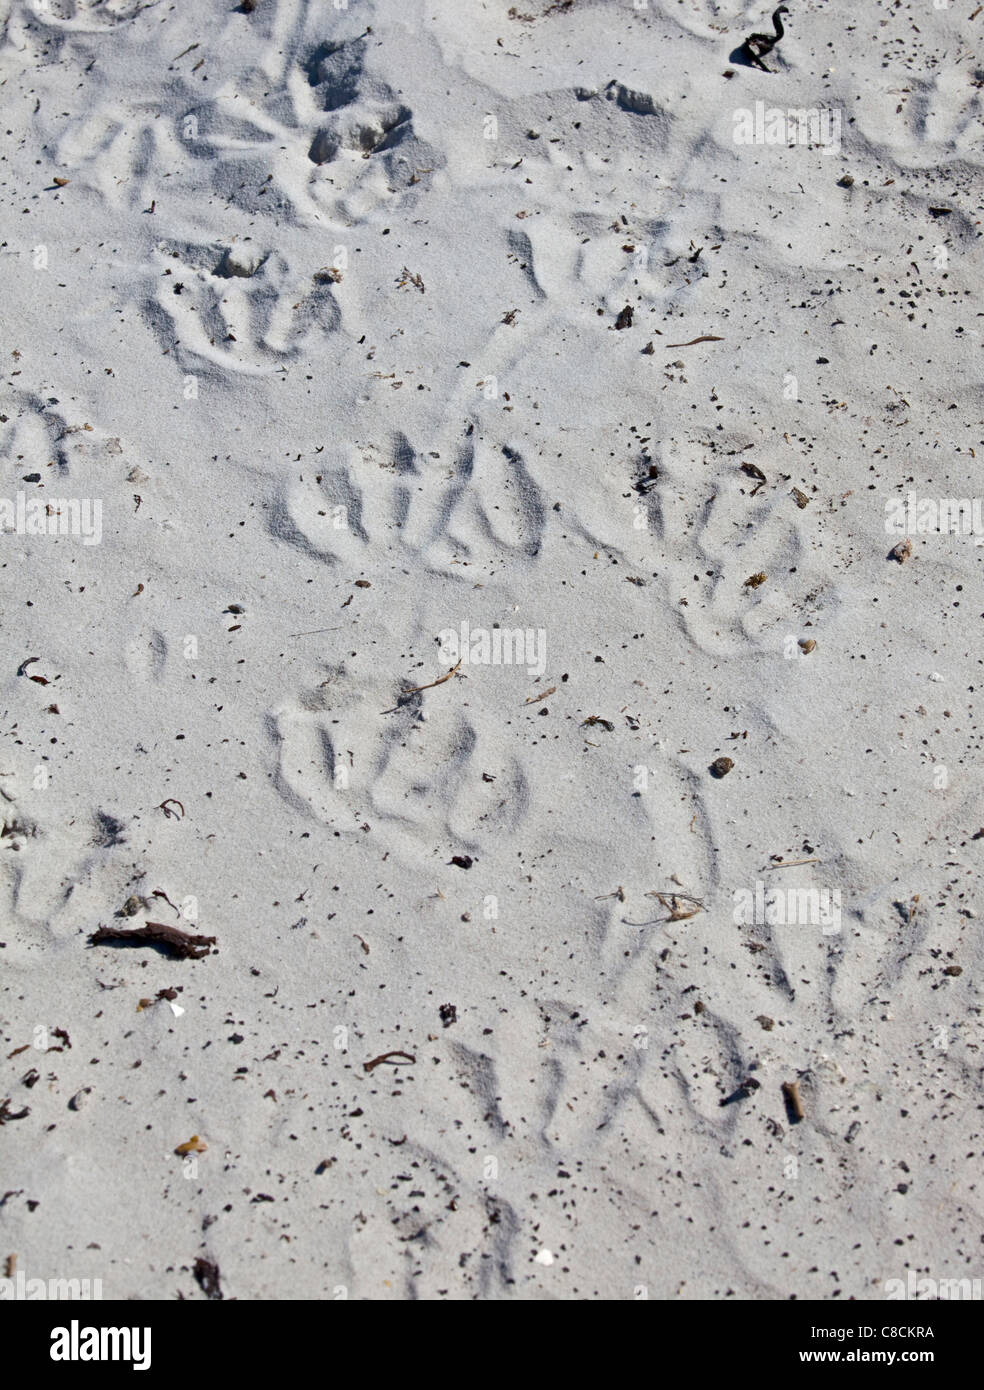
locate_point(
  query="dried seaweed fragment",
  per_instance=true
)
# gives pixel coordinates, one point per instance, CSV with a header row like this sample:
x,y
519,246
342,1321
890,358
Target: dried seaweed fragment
x,y
179,943
704,338
753,471
386,1056
207,1277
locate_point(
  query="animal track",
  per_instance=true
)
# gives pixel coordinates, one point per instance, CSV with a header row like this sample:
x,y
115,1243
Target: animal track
x,y
146,657
416,782
236,307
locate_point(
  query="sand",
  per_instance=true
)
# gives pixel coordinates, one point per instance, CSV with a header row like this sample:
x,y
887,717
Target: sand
x,y
320,310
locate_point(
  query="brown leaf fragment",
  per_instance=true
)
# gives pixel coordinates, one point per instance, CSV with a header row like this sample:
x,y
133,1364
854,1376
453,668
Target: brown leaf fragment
x,y
754,580
194,1145
800,498
901,552
720,767
680,906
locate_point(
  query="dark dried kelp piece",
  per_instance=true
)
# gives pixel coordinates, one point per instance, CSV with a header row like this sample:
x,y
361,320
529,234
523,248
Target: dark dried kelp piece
x,y
704,338
741,1092
624,319
207,1277
759,46
752,471
178,943
7,1114
385,1057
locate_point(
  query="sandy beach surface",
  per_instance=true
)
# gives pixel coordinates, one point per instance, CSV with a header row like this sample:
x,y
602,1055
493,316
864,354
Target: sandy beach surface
x,y
474,553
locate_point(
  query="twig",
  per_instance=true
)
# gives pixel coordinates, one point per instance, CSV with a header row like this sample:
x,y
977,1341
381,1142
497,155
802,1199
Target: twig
x,y
534,698
791,863
415,689
794,1100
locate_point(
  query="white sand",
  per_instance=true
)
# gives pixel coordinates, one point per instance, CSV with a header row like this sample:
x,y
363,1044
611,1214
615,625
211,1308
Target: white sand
x,y
174,332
